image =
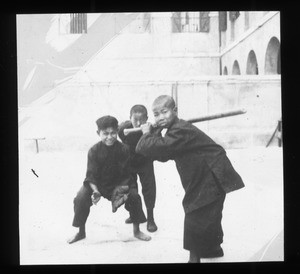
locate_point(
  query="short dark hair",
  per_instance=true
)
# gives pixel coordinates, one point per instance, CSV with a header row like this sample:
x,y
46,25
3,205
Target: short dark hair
x,y
138,108
167,99
106,122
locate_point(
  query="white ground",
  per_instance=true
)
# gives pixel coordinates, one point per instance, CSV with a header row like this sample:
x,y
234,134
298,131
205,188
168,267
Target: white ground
x,y
252,216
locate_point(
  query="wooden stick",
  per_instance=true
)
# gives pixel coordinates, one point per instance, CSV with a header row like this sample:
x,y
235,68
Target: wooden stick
x,y
199,119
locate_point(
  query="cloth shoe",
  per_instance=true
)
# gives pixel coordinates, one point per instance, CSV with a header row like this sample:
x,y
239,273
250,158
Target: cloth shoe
x,y
214,253
151,226
128,221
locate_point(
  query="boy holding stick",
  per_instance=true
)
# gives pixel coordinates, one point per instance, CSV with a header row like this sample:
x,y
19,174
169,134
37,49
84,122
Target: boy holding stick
x,y
206,174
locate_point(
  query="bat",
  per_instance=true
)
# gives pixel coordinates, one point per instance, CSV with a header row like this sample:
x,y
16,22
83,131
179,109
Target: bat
x,y
198,119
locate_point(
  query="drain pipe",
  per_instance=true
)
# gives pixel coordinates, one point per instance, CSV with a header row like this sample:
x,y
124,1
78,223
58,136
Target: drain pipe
x,y
220,44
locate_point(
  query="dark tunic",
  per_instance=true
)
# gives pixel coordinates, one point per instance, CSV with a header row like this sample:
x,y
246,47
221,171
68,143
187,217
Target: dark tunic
x,y
206,175
140,165
108,167
203,231
206,172
136,160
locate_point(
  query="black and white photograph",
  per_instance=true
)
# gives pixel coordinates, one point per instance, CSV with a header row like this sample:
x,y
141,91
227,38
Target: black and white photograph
x,y
150,137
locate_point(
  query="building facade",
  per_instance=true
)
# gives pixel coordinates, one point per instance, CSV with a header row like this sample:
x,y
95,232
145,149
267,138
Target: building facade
x,y
250,43
210,62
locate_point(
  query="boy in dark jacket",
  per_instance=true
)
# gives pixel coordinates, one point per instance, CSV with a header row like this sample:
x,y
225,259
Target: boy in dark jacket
x,y
206,174
108,176
140,165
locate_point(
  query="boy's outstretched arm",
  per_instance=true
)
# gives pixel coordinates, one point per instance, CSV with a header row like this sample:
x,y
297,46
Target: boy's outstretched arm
x,y
176,140
155,147
126,124
160,148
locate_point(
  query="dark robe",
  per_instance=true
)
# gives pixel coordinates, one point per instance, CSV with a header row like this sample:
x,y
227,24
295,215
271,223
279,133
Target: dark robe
x,y
136,160
206,174
140,165
108,169
204,168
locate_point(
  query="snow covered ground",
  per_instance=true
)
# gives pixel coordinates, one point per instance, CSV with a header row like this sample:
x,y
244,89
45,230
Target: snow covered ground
x,y
252,216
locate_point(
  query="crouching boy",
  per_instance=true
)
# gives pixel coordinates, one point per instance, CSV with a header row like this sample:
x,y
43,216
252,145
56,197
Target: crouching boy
x,y
108,176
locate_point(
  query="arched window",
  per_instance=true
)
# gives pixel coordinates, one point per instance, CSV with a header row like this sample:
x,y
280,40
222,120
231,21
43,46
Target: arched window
x,y
225,72
272,60
236,68
252,67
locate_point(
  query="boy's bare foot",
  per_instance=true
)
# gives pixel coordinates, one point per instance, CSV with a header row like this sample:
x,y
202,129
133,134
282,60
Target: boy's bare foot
x,y
151,226
79,236
141,236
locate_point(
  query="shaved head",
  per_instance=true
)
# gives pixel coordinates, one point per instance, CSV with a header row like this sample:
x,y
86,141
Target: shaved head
x,y
164,100
164,111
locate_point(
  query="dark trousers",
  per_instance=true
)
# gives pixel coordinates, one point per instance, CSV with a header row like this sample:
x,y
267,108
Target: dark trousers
x,y
147,179
83,202
202,227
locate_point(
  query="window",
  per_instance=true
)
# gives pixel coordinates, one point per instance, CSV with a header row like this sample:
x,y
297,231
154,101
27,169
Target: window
x,y
223,20
78,23
147,22
74,23
272,59
225,71
236,68
246,20
252,67
190,22
204,22
176,25
232,30
233,15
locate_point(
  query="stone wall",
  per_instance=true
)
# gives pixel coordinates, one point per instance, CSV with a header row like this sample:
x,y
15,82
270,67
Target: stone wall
x,y
260,96
67,121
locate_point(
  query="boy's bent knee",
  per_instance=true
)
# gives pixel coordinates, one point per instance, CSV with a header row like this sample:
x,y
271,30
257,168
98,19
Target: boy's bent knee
x,y
134,200
134,196
83,197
